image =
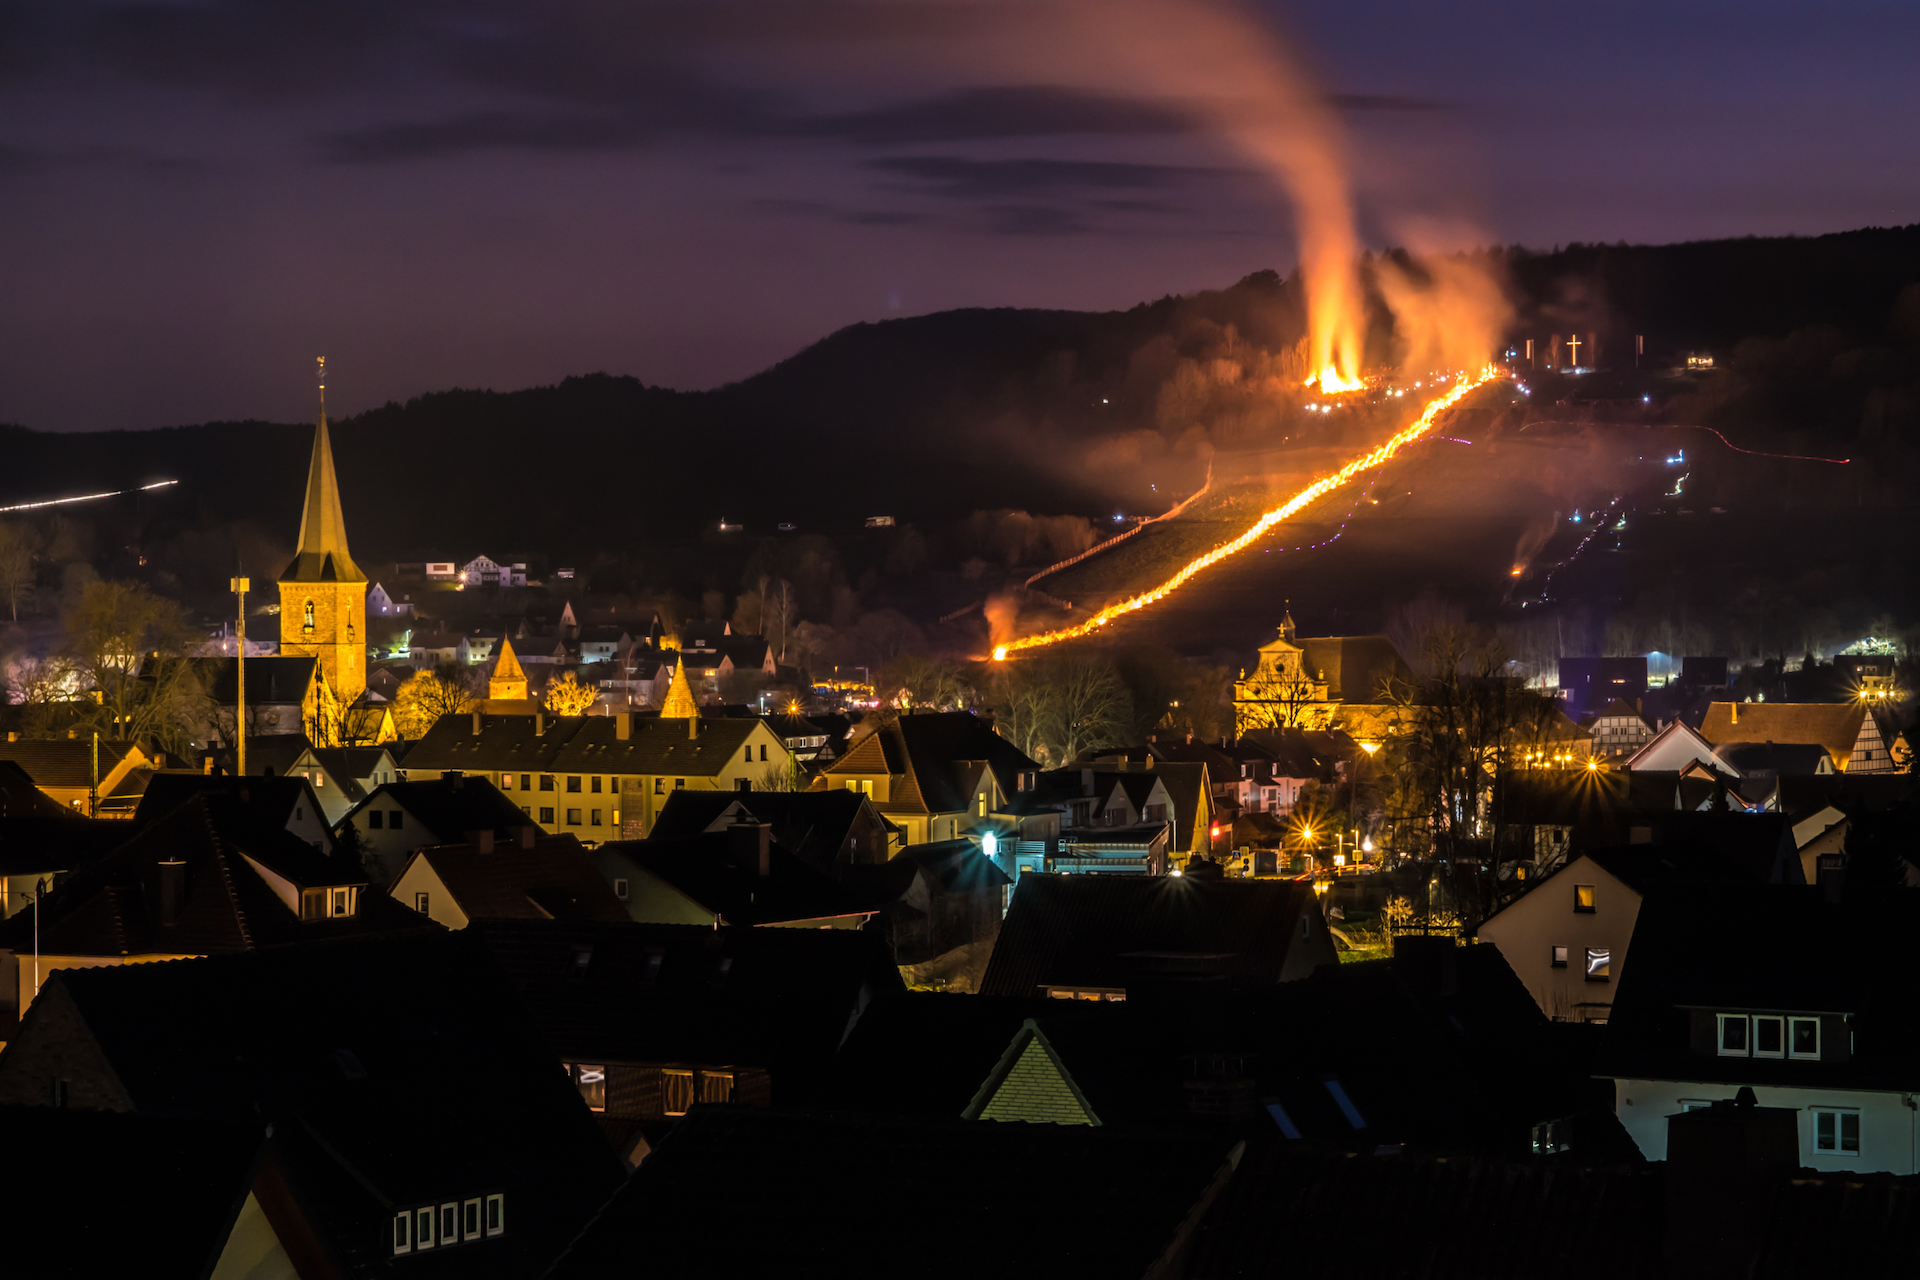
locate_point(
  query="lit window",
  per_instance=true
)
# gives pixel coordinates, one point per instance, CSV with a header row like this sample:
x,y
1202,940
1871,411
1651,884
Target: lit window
x,y
676,1092
1804,1036
506,782
591,1081
313,904
1836,1133
1559,957
1769,1037
1599,964
340,902
1583,898
1733,1035
716,1086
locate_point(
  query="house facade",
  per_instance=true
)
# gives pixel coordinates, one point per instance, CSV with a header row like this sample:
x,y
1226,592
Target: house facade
x,y
1567,937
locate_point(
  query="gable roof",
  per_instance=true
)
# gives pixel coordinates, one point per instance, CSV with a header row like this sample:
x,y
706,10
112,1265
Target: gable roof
x,y
1094,931
580,744
64,762
278,680
20,797
1124,1192
1834,725
172,1189
554,880
113,907
814,825
1355,666
1030,1083
409,1066
704,868
1621,709
452,808
270,801
781,999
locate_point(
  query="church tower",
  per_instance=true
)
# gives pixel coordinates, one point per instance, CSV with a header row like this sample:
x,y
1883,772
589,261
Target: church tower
x,y
323,594
508,680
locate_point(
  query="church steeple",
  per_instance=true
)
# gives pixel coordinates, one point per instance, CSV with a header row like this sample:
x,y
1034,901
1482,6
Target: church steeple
x,y
322,556
680,704
323,594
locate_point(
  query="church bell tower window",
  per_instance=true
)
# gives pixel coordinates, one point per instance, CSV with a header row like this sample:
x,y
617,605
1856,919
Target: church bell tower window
x,y
309,615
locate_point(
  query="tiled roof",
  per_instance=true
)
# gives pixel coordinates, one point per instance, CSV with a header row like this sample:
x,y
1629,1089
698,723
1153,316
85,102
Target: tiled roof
x,y
781,999
814,825
579,744
452,808
113,907
704,869
1115,1199
1834,725
1075,930
270,800
63,762
554,880
408,1069
21,798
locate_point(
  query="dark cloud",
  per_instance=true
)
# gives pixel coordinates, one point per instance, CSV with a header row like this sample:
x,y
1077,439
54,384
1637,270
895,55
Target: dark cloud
x,y
1000,111
1036,220
962,178
484,131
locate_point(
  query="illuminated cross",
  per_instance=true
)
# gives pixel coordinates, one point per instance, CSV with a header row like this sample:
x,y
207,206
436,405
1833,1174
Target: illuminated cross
x,y
1573,344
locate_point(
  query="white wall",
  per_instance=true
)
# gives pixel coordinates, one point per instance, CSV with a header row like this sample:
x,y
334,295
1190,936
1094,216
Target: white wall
x,y
1887,1125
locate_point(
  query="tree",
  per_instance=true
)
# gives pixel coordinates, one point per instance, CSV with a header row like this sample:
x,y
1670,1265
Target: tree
x,y
427,695
1058,708
16,565
566,696
125,647
912,682
783,774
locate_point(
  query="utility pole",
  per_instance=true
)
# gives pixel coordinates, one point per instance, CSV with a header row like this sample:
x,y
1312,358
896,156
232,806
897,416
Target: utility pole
x,y
239,587
93,792
1639,348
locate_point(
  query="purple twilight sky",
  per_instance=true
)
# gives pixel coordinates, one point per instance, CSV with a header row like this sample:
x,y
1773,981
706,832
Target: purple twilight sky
x,y
198,196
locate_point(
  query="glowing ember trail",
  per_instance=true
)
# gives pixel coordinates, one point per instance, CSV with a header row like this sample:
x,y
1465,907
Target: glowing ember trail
x,y
1319,488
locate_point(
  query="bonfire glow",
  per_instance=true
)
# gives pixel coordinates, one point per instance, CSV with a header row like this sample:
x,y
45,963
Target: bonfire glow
x,y
1319,488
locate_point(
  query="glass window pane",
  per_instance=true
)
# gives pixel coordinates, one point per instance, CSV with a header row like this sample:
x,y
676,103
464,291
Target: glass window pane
x,y
593,1086
1850,1132
1583,897
1733,1034
1823,1131
1768,1036
1806,1037
1599,963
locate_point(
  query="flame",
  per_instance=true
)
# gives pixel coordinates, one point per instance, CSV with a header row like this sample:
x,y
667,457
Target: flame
x,y
1319,488
1330,381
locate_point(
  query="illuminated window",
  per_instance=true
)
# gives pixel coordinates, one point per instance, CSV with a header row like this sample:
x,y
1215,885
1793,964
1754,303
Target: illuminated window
x,y
1599,964
313,904
1836,1133
580,960
309,615
592,1083
1583,898
1559,957
342,902
1769,1037
676,1092
1804,1036
506,782
1733,1035
716,1086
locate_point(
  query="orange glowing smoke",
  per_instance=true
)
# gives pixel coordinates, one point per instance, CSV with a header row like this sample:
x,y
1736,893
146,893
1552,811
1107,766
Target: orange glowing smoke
x,y
1319,488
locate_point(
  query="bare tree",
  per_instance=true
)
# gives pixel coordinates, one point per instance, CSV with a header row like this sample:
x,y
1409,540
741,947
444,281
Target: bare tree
x,y
126,647
447,690
16,565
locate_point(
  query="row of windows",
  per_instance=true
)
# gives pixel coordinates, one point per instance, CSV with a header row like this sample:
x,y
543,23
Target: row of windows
x,y
547,781
393,819
1836,1130
573,816
1768,1035
680,1087
327,904
431,1226
1598,962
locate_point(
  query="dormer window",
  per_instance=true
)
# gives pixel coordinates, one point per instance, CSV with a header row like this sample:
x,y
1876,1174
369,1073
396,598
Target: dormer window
x,y
329,904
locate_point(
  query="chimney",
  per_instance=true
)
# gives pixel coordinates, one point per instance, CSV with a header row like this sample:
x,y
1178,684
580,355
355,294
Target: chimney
x,y
623,726
482,841
750,844
527,836
693,728
1736,711
1086,782
539,724
1724,1165
476,724
173,890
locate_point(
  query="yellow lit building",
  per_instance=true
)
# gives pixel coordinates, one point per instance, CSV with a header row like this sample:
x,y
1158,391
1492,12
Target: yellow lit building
x,y
323,594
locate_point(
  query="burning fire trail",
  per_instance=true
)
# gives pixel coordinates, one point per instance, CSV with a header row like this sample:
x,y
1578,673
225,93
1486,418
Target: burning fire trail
x,y
1319,488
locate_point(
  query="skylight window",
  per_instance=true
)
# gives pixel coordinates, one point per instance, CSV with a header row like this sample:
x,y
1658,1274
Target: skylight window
x,y
1341,1100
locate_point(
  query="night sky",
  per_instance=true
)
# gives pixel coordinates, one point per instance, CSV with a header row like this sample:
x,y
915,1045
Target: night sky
x,y
197,198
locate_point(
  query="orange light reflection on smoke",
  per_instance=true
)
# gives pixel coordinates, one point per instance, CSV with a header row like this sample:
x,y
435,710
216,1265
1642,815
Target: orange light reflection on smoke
x,y
1319,488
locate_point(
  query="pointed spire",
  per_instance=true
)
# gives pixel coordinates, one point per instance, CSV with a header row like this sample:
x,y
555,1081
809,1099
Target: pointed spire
x,y
322,556
1286,624
680,704
509,680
